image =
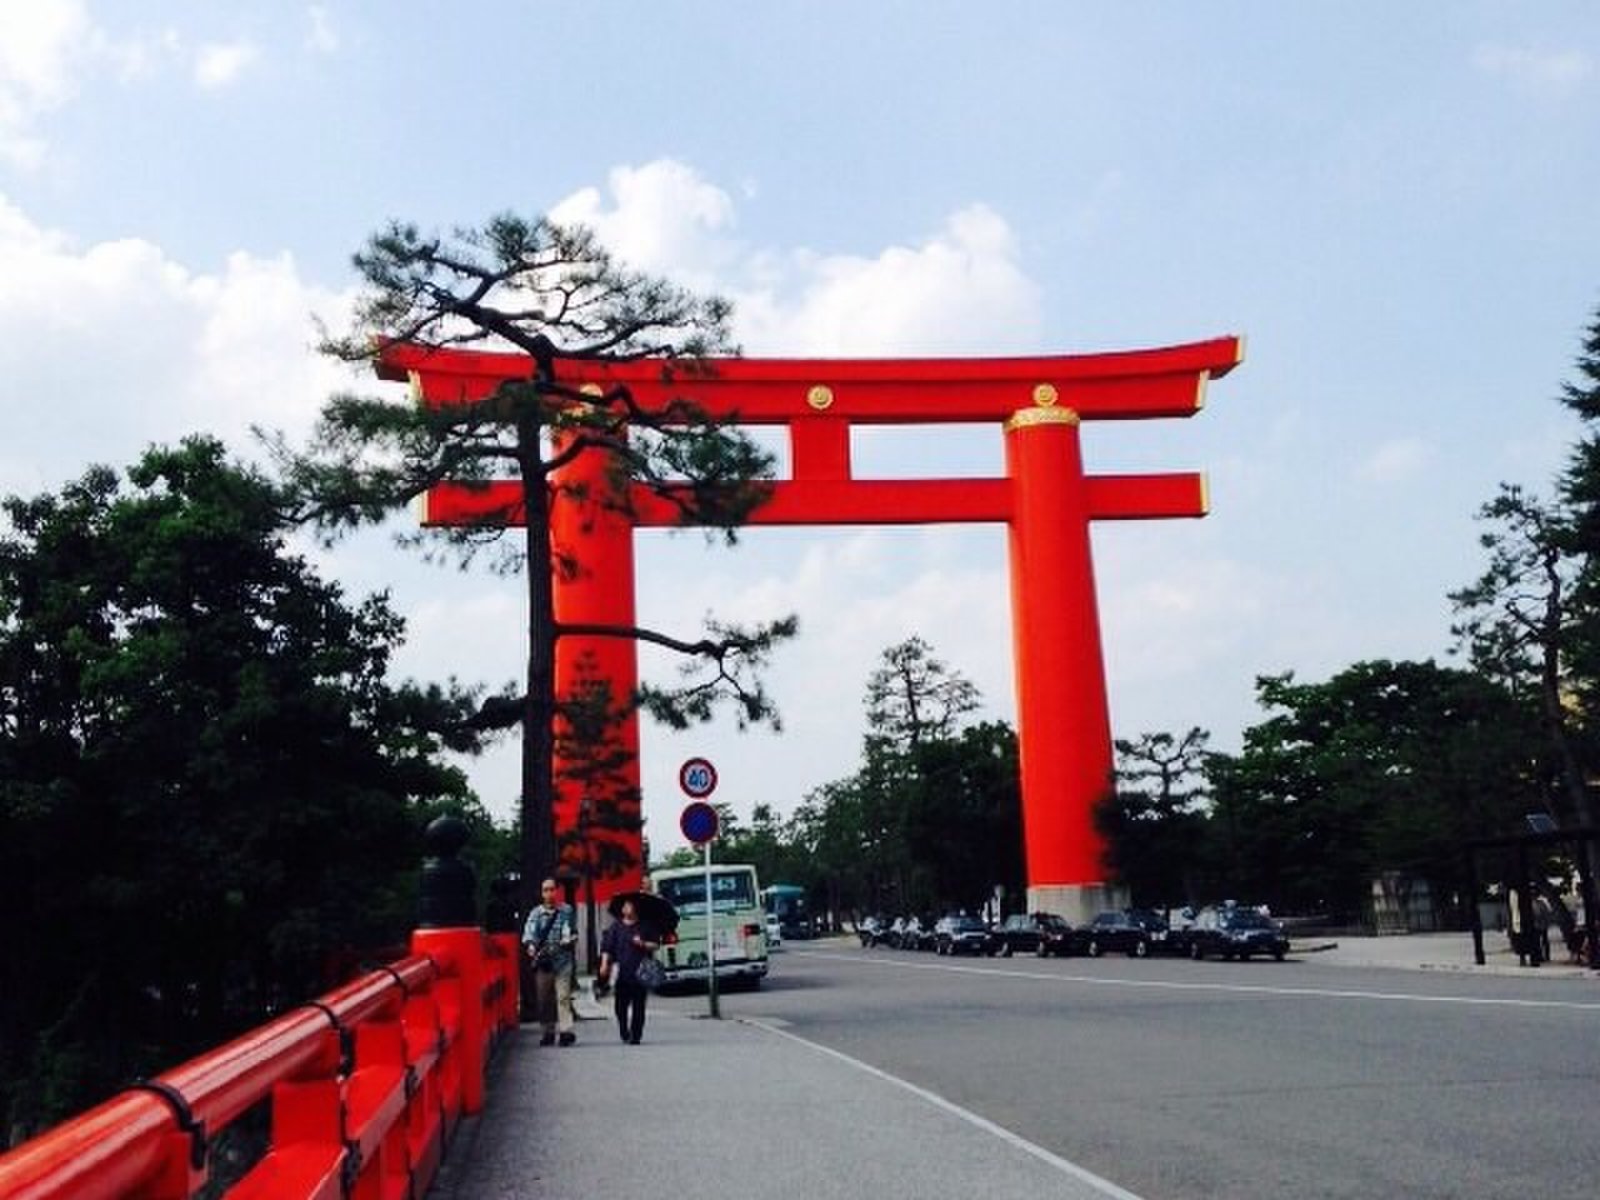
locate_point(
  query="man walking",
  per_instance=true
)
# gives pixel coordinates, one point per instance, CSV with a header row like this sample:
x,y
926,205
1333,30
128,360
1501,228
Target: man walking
x,y
549,936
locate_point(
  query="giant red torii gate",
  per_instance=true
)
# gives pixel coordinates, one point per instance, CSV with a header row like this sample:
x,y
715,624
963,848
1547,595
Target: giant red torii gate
x,y
1045,499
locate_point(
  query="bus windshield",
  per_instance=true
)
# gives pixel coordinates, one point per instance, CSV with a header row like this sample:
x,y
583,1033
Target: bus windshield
x,y
729,889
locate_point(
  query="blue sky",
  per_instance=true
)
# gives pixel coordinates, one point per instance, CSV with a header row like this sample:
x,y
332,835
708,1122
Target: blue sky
x,y
1394,203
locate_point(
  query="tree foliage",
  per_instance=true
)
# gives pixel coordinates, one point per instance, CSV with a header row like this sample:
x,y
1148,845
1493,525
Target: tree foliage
x,y
964,823
1522,622
207,787
1579,488
932,817
1386,766
596,770
913,697
555,294
1154,820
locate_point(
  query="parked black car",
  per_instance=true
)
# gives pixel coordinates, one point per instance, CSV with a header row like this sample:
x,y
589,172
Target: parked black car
x,y
1055,936
962,935
1155,924
1111,931
1235,932
1019,932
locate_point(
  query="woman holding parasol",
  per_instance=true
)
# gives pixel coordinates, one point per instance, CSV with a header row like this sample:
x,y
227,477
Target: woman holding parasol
x,y
642,920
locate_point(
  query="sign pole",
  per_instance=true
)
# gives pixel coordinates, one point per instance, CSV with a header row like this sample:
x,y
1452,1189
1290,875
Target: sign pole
x,y
698,821
711,942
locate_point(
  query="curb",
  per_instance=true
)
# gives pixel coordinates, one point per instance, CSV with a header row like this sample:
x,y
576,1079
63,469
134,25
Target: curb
x,y
1316,949
1546,970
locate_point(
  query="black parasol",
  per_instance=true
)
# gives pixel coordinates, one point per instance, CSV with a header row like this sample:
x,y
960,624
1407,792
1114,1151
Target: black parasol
x,y
655,912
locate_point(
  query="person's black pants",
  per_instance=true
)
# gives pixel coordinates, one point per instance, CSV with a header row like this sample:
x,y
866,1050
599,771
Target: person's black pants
x,y
629,1001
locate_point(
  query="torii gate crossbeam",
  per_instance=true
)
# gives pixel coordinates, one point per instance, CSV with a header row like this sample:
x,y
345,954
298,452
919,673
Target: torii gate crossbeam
x,y
1045,499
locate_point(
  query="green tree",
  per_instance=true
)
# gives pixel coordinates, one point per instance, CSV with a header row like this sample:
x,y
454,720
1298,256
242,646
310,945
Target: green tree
x,y
1580,491
1521,623
1154,820
1532,619
855,856
932,816
964,826
913,697
208,790
1580,482
759,843
555,294
1385,766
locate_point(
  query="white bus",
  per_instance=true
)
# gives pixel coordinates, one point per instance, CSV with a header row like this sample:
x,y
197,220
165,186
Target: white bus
x,y
738,922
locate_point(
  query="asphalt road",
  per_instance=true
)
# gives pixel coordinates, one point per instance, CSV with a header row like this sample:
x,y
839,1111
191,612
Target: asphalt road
x,y
1175,1079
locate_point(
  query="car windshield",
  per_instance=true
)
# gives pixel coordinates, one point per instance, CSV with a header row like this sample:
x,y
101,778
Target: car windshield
x,y
1246,920
967,925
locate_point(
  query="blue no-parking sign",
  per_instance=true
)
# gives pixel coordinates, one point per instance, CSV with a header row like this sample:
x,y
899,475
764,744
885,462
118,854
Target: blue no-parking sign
x,y
699,823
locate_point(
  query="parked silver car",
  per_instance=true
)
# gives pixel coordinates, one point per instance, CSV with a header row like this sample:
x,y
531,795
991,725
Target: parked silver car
x,y
962,935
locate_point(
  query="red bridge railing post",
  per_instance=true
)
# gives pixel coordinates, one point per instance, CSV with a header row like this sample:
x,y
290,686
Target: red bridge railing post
x,y
448,933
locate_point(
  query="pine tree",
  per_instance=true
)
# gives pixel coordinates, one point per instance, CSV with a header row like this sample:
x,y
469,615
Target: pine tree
x,y
555,294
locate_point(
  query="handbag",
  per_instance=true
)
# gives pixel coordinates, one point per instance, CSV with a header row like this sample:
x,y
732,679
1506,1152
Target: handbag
x,y
649,973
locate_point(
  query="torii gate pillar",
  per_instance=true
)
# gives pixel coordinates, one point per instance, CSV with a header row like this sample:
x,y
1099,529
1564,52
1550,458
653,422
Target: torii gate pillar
x,y
600,592
1063,725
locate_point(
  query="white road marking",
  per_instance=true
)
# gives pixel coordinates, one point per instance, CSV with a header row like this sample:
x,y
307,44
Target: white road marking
x,y
1237,988
1104,1186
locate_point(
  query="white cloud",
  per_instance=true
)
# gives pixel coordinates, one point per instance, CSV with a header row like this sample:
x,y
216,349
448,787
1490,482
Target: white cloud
x,y
662,217
114,346
40,44
1543,71
961,291
51,49
323,38
1395,460
218,64
1166,608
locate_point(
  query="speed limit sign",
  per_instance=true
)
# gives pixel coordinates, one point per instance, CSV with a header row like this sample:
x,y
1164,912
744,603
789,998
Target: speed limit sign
x,y
698,778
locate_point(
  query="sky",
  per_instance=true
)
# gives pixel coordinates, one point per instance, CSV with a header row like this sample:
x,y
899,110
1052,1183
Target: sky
x,y
1394,205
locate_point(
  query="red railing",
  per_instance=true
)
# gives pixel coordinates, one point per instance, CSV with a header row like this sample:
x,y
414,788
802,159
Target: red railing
x,y
365,1084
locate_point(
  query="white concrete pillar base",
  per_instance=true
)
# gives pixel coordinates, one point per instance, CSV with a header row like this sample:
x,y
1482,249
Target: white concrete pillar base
x,y
1076,903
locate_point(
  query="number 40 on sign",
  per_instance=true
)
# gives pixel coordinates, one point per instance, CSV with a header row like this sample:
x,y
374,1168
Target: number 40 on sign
x,y
698,778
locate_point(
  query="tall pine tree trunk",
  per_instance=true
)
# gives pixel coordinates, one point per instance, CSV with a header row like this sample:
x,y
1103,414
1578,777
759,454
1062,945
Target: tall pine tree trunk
x,y
538,849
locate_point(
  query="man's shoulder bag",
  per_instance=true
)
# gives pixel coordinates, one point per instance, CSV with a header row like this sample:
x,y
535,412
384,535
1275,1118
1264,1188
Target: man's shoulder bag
x,y
541,956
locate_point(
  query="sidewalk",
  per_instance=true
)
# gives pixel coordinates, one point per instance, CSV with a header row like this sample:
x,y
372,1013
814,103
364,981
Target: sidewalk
x,y
1432,952
725,1108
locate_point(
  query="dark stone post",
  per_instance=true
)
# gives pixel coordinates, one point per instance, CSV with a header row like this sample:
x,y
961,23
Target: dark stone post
x,y
500,914
1474,916
447,931
1587,890
447,895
